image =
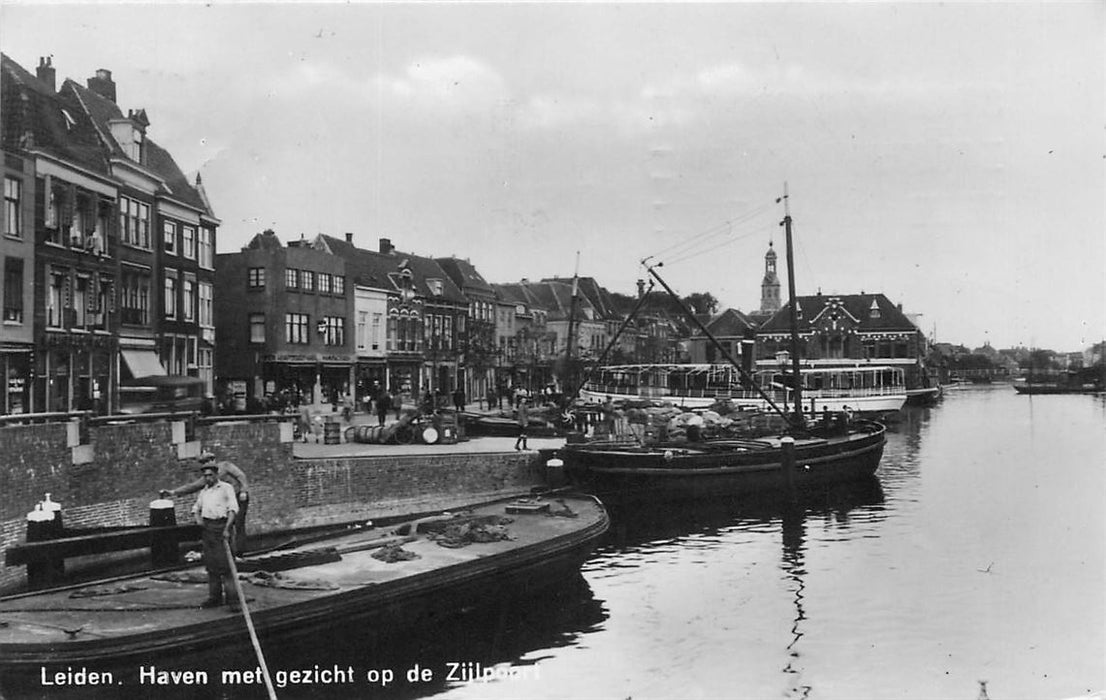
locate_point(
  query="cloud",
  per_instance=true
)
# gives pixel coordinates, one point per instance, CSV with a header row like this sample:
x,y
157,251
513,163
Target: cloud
x,y
450,83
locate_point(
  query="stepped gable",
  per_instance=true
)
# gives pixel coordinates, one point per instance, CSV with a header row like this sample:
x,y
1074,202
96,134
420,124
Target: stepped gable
x,y
34,117
869,312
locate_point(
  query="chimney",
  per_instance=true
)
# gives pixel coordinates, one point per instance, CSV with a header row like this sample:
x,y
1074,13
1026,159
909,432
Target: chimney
x,y
349,237
640,288
386,245
102,84
46,72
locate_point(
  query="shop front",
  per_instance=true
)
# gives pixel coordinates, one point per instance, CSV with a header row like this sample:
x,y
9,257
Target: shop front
x,y
15,368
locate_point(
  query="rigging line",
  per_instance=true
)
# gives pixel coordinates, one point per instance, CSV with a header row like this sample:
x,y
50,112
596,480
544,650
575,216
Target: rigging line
x,y
694,254
713,230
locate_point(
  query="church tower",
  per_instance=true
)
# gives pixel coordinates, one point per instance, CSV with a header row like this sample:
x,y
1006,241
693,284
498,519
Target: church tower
x,y
770,285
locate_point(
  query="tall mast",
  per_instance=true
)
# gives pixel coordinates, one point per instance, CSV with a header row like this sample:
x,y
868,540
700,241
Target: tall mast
x,y
571,323
793,313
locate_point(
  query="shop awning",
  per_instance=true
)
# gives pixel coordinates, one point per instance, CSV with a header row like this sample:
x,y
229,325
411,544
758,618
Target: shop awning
x,y
143,363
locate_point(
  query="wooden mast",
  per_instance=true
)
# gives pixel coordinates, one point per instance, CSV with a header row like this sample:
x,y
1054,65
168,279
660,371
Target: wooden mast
x,y
568,379
793,314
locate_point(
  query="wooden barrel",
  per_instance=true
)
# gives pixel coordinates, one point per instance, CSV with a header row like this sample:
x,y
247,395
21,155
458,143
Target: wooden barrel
x,y
332,433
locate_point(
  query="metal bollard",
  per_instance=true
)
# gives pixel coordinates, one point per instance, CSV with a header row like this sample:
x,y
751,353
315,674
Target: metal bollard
x,y
41,527
164,549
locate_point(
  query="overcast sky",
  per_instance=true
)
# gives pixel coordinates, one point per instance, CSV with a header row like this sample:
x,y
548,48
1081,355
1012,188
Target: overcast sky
x,y
950,156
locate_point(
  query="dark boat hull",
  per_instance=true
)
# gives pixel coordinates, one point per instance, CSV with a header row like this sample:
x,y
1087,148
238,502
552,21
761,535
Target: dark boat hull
x,y
396,603
659,473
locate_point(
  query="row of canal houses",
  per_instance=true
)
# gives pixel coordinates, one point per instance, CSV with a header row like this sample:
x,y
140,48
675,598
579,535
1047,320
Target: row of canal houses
x,y
108,251
110,277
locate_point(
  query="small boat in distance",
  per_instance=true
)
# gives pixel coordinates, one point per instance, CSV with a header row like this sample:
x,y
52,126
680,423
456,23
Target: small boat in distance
x,y
390,578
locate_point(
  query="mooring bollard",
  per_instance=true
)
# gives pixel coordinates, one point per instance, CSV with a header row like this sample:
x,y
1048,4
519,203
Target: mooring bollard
x,y
555,472
787,461
40,528
164,549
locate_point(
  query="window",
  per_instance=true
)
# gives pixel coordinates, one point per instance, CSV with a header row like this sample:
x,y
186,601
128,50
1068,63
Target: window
x,y
292,278
135,148
135,298
134,222
170,295
13,196
80,302
324,283
256,279
188,242
13,290
362,328
207,314
376,331
55,299
335,330
189,293
339,284
307,280
170,232
295,329
257,328
207,248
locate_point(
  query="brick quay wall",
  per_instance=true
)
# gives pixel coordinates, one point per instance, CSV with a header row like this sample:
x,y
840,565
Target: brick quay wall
x,y
109,475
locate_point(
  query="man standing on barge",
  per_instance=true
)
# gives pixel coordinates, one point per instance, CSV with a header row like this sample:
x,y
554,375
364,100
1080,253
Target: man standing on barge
x,y
215,510
230,473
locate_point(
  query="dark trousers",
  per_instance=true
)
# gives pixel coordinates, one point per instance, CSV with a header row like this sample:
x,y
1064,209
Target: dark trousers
x,y
216,563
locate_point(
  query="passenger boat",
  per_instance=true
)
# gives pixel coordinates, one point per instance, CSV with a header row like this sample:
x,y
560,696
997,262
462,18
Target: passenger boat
x,y
527,543
860,387
834,448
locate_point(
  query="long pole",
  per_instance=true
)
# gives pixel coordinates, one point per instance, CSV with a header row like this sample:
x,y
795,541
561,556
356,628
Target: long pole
x,y
793,313
571,322
249,621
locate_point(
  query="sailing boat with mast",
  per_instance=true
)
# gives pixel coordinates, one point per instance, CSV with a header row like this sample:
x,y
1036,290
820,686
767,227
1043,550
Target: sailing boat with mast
x,y
807,453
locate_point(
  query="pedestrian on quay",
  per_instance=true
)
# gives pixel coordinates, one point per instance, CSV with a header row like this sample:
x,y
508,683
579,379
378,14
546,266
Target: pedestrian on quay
x,y
229,473
459,399
215,511
383,405
523,416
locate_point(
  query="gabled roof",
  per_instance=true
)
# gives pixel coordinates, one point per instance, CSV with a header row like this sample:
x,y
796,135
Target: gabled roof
x,y
36,117
464,275
599,299
858,306
380,270
728,324
552,296
102,111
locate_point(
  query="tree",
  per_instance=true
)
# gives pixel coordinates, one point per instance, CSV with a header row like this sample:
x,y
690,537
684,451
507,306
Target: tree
x,y
701,303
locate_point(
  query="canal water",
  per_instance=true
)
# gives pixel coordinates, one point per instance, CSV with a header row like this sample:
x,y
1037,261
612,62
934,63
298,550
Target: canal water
x,y
978,553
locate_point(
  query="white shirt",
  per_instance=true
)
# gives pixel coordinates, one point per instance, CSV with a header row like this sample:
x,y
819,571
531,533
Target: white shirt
x,y
215,501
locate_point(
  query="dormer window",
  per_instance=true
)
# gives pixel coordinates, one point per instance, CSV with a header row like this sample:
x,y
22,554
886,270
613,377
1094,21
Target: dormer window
x,y
798,310
135,148
69,121
435,286
873,310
